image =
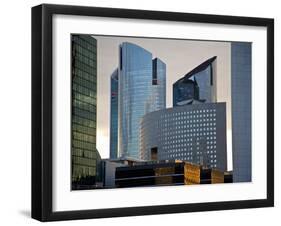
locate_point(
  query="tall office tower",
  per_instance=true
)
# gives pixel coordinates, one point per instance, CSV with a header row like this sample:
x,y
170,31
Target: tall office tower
x,y
241,111
194,129
84,103
141,90
114,115
194,133
197,86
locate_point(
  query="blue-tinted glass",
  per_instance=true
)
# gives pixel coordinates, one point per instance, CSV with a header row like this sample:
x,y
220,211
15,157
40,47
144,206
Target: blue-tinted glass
x,y
196,86
138,94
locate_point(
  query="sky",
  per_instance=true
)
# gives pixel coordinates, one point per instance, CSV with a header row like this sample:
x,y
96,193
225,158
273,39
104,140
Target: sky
x,y
180,56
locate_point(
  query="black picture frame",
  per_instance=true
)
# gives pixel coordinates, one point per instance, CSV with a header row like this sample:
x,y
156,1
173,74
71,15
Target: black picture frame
x,y
42,111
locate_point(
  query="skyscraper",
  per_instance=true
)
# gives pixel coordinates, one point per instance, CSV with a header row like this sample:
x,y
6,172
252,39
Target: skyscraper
x,y
142,89
194,129
198,85
114,115
241,111
84,103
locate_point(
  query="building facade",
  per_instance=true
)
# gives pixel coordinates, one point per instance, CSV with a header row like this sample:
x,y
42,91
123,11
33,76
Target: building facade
x,y
158,96
197,86
108,172
140,91
85,156
195,133
241,111
168,173
114,115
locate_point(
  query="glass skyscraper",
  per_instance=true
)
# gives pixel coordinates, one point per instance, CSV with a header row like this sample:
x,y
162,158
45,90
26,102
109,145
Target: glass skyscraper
x,y
114,115
84,104
241,110
194,129
198,85
142,89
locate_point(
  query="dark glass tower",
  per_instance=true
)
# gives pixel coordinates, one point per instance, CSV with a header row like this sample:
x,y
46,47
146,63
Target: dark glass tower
x,y
84,104
241,111
142,89
114,115
197,86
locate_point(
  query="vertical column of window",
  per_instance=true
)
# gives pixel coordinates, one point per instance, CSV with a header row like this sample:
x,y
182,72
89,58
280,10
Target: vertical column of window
x,y
211,74
154,72
120,57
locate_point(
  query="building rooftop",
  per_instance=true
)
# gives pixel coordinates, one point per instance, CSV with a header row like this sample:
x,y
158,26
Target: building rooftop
x,y
197,69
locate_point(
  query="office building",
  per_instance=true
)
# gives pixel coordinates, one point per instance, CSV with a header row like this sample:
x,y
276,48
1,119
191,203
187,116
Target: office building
x,y
195,133
114,115
141,89
241,111
108,172
167,173
109,169
85,156
197,86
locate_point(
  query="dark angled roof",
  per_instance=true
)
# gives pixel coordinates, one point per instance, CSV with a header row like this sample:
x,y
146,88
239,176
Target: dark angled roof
x,y
199,68
114,74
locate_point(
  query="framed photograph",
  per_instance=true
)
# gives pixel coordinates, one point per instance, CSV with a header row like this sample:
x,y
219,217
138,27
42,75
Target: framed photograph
x,y
146,112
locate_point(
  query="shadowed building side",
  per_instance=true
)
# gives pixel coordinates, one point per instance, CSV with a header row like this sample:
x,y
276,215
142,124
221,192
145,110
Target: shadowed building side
x,y
241,111
114,115
165,173
85,156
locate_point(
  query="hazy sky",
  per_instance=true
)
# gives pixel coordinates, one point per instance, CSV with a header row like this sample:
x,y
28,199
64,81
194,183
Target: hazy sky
x,y
180,57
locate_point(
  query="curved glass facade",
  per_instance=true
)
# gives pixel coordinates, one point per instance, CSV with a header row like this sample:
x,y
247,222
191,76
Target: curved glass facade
x,y
197,85
137,94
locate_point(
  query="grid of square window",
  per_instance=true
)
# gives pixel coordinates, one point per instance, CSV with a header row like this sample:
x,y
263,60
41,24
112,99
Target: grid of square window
x,y
187,133
84,76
